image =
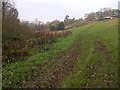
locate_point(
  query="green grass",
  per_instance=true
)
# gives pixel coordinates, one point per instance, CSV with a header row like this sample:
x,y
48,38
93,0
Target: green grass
x,y
15,73
106,32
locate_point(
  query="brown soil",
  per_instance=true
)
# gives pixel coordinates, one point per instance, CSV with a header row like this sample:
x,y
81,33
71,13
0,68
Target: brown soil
x,y
49,74
101,48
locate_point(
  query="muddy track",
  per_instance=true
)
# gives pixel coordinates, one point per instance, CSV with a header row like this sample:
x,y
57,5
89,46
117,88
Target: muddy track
x,y
99,47
49,74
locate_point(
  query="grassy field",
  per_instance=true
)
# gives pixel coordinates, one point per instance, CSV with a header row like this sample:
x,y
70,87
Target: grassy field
x,y
95,48
98,64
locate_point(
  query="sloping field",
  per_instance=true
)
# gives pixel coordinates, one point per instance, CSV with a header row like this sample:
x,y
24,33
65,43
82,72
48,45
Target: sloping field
x,y
98,64
86,58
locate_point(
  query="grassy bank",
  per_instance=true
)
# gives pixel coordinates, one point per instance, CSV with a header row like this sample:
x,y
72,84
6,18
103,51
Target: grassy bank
x,y
97,64
15,73
97,67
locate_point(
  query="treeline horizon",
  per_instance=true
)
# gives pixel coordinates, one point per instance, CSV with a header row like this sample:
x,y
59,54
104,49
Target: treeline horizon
x,y
98,15
17,33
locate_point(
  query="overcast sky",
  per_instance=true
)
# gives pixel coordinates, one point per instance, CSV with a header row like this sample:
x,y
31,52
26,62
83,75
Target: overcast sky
x,y
49,10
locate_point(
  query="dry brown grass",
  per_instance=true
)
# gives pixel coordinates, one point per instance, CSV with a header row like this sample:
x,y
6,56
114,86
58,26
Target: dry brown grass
x,y
14,50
